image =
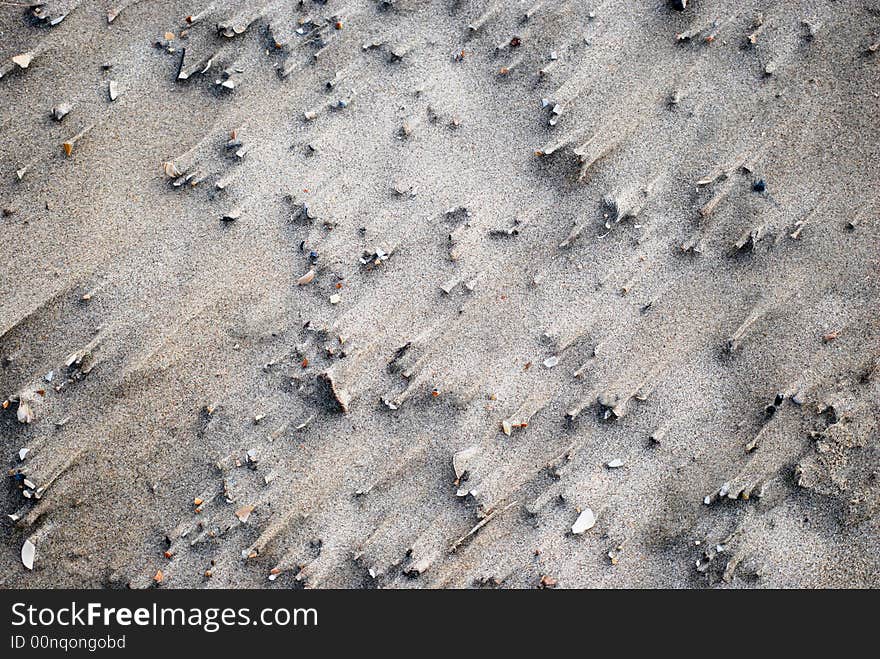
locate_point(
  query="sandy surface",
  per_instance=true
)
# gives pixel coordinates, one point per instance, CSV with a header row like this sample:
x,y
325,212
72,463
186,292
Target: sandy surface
x,y
562,234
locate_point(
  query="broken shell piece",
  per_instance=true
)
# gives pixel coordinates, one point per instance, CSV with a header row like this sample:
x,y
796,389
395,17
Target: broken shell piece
x,y
550,362
22,454
524,413
409,125
244,513
614,464
612,404
28,554
113,90
170,169
25,413
373,258
464,460
448,286
23,60
403,187
336,298
44,13
340,394
306,278
585,521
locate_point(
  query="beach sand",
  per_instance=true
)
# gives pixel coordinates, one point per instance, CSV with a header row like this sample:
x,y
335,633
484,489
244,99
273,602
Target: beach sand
x,y
390,294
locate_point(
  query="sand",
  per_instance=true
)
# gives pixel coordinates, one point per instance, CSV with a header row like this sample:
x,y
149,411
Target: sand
x,y
389,294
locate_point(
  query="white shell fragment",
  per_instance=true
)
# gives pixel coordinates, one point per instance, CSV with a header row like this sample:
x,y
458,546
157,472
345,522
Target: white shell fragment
x,y
550,362
22,454
585,521
28,554
306,278
25,413
614,464
448,286
24,60
336,298
113,90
